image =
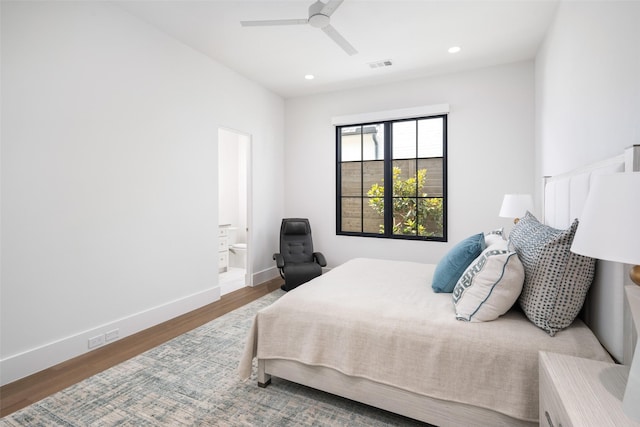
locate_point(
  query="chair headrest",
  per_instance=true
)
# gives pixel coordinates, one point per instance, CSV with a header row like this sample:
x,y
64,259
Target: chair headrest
x,y
295,227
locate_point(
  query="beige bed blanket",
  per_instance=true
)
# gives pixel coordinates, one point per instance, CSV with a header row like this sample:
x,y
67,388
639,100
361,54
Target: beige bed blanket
x,y
380,320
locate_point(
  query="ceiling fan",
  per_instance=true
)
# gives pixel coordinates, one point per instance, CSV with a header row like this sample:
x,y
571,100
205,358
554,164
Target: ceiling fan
x,y
319,17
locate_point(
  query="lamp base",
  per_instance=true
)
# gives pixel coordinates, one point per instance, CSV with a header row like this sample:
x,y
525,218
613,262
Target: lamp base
x,y
634,274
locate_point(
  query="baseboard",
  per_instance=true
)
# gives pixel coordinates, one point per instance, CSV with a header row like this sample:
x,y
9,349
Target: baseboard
x,y
270,274
29,362
226,288
264,276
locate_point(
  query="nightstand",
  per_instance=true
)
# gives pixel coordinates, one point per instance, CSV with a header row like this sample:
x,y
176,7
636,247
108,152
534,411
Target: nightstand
x,y
581,392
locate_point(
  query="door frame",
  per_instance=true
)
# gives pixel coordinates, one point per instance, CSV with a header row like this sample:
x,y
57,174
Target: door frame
x,y
248,278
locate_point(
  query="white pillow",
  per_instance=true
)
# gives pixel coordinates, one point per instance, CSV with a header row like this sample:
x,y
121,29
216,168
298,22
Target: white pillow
x,y
490,285
494,236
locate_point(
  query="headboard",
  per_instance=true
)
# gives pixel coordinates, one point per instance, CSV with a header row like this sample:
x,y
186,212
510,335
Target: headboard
x,y
604,310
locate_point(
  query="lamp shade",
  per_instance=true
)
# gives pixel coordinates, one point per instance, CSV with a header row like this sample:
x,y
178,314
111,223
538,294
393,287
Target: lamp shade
x,y
516,205
609,226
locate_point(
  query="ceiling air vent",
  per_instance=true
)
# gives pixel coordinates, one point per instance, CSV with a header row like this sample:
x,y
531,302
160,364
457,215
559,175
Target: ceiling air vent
x,y
381,64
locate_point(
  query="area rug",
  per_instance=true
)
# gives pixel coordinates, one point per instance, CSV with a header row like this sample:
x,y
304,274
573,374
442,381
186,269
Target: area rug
x,y
192,380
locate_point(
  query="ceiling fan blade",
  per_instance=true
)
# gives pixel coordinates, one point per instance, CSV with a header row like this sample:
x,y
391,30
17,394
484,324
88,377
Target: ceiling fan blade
x,y
273,22
341,41
331,7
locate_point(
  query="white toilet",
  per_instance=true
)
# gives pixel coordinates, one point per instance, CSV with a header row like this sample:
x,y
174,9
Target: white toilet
x,y
237,251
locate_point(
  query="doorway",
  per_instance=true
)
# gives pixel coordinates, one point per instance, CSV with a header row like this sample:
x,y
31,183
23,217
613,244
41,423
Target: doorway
x,y
234,200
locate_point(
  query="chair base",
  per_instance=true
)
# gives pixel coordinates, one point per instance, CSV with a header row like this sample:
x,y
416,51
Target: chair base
x,y
297,274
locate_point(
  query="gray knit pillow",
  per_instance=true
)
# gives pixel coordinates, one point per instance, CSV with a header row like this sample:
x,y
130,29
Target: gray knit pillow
x,y
556,280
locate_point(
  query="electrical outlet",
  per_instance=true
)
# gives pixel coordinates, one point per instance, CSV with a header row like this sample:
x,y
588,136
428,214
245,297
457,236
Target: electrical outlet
x,y
96,341
111,335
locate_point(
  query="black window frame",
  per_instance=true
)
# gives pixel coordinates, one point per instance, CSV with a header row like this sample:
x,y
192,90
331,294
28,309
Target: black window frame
x,y
388,177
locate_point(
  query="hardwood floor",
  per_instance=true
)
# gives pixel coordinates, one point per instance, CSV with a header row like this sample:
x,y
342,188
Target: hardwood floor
x,y
24,392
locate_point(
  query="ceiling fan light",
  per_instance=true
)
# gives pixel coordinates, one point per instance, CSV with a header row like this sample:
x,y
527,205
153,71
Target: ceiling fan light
x,y
454,49
319,20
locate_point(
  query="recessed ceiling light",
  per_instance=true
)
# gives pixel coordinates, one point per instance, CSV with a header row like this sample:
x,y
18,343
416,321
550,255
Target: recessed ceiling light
x,y
309,77
454,49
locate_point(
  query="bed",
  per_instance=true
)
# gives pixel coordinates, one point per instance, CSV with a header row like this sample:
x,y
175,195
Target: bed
x,y
375,332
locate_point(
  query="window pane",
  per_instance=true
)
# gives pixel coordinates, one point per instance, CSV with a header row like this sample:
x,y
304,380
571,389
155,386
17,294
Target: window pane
x,y
373,177
430,137
418,216
404,216
351,144
373,215
351,174
352,214
404,139
433,184
404,178
430,217
373,142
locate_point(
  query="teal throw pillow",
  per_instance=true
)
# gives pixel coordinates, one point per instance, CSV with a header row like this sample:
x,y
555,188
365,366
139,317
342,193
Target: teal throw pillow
x,y
456,261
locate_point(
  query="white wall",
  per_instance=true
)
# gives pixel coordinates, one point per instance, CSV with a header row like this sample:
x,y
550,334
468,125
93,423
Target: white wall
x,y
491,127
588,85
228,182
109,177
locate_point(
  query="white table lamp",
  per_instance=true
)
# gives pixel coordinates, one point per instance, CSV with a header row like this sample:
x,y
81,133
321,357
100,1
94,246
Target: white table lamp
x,y
609,229
515,206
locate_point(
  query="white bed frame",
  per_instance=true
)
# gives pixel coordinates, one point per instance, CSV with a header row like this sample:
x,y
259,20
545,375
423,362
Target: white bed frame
x,y
564,197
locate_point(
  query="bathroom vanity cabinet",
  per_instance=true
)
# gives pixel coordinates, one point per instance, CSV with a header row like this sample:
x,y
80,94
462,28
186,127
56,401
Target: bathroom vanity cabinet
x,y
223,248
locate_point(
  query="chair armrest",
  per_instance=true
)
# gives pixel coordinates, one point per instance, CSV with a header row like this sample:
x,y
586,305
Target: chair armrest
x,y
279,260
320,259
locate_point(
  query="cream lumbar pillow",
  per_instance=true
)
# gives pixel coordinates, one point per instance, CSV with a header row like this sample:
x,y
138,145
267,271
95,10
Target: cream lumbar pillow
x,y
490,285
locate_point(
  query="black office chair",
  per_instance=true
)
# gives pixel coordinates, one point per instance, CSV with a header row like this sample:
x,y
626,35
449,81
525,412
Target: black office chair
x,y
296,261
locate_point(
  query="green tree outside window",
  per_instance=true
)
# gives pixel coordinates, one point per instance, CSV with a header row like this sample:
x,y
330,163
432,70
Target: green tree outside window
x,y
413,213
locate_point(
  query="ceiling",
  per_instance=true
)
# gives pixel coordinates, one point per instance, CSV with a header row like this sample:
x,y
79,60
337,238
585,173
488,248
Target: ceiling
x,y
414,35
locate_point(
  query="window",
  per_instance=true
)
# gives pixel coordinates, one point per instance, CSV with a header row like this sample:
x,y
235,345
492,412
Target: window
x,y
411,155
